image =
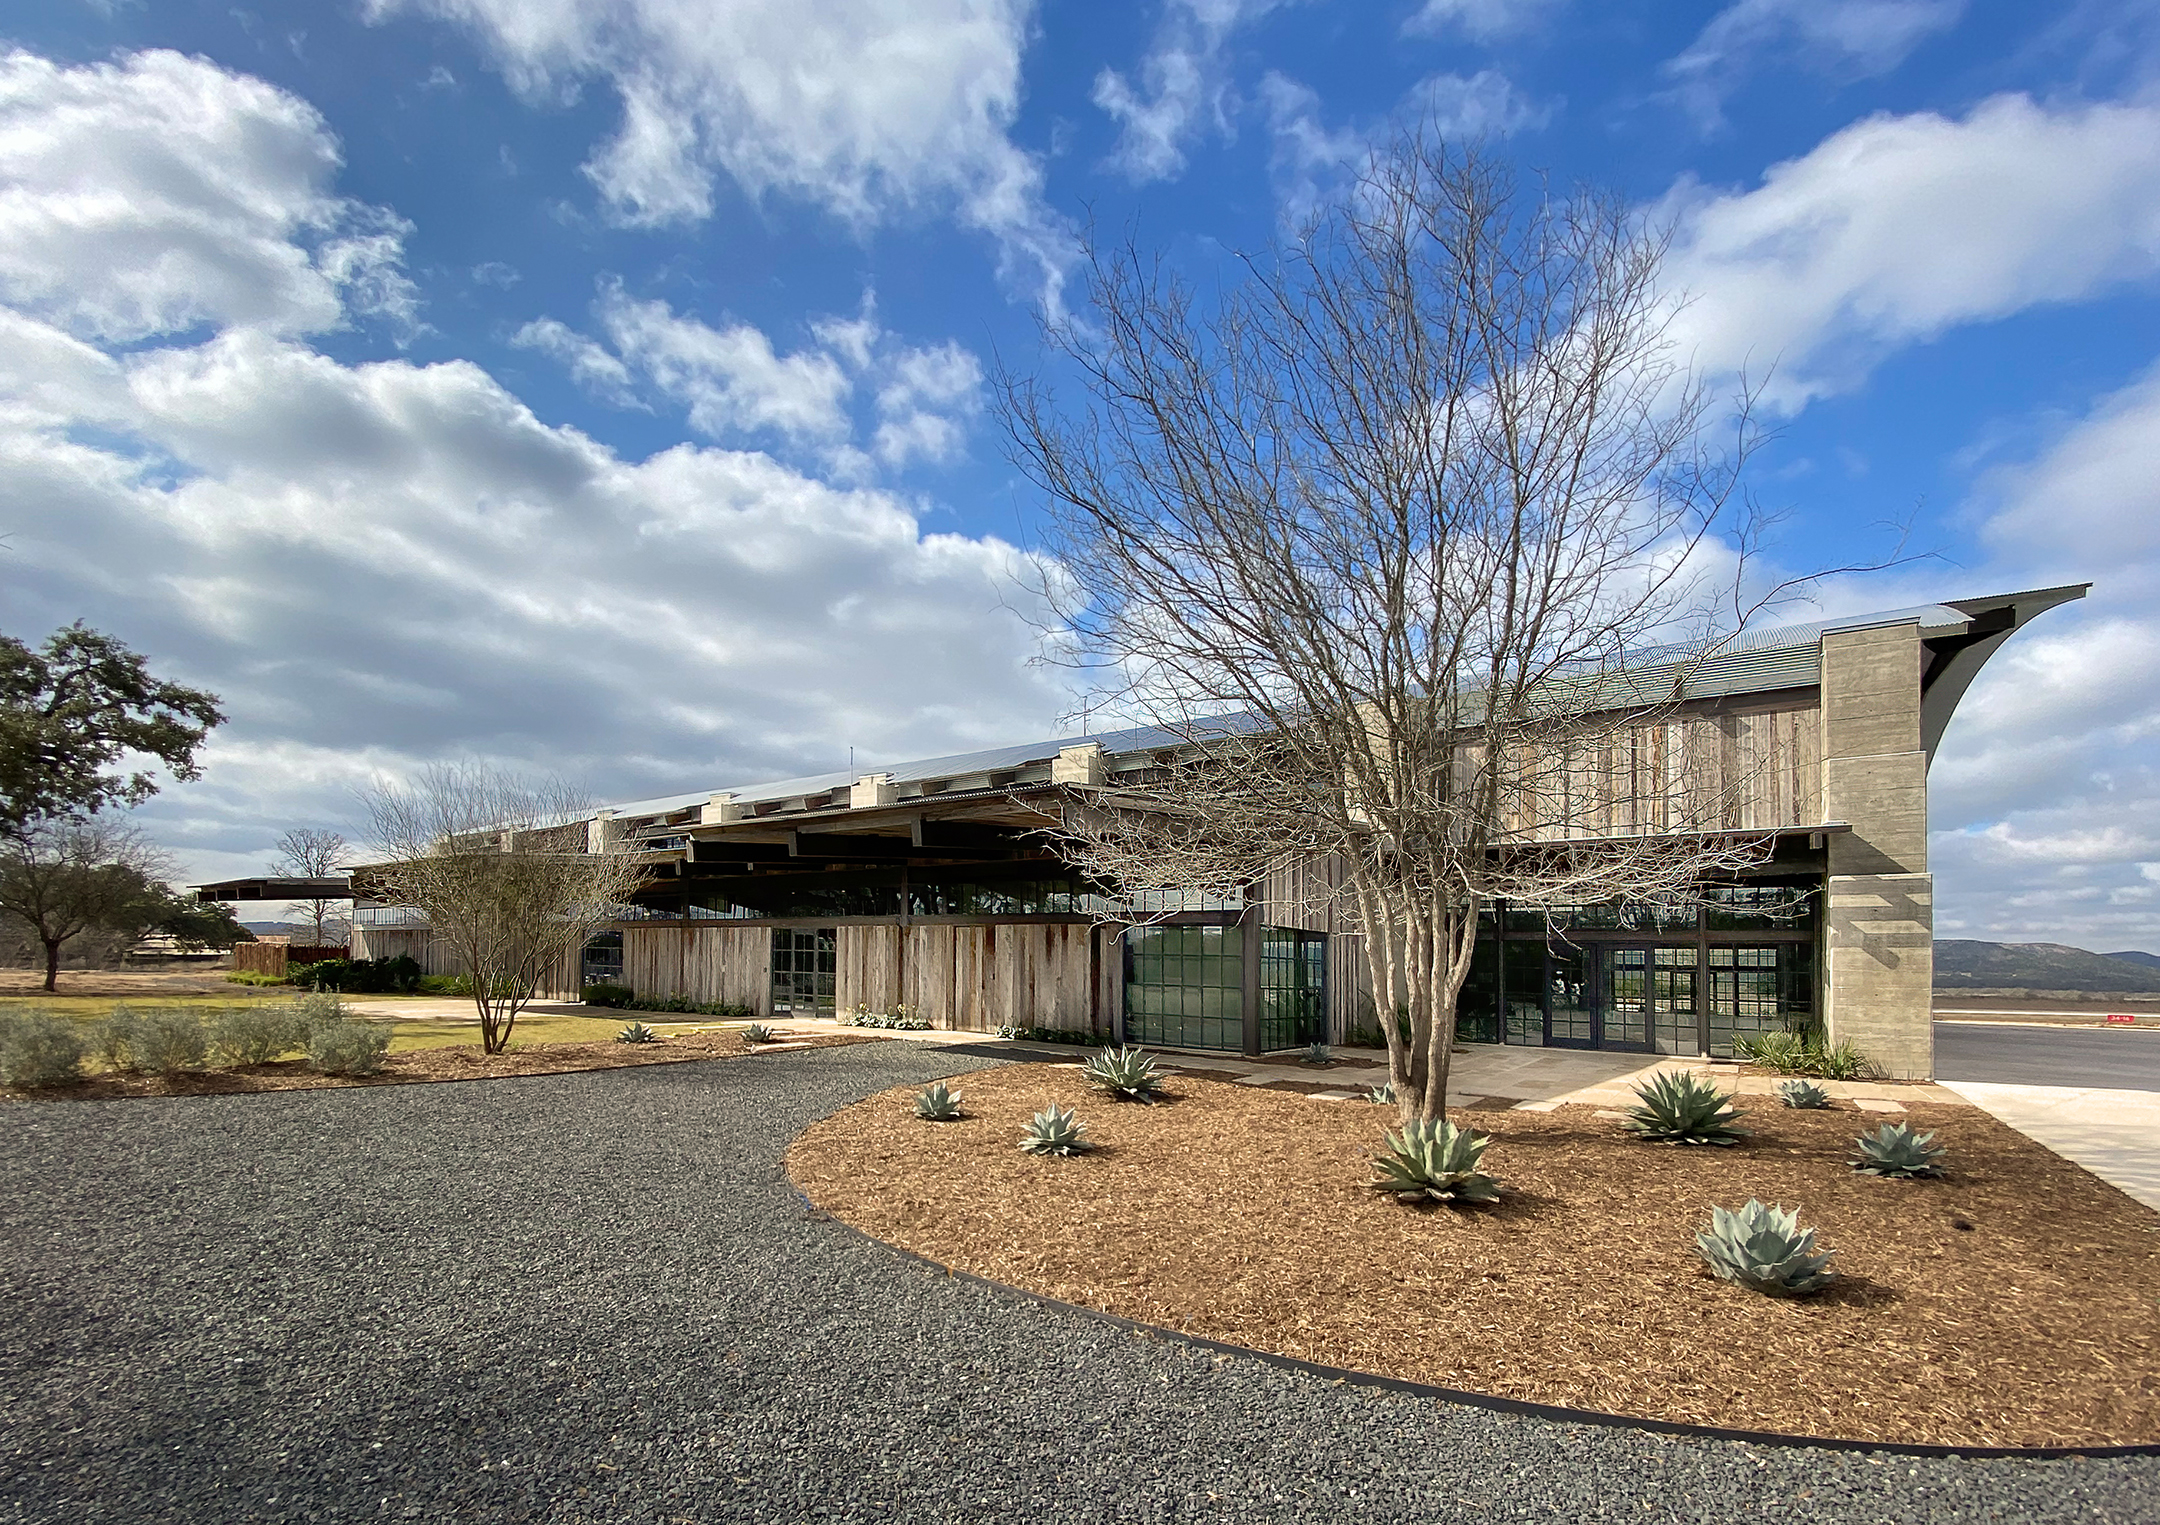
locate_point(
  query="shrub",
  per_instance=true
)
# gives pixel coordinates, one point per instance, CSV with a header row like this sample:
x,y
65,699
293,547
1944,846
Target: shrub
x,y
444,984
166,1040
637,1032
602,993
359,976
1056,1131
1033,1034
1764,1249
935,1104
1786,1053
1896,1152
347,1047
319,1008
256,1034
252,977
899,1019
113,1040
1803,1095
1434,1162
623,998
1681,1107
38,1050
1128,1074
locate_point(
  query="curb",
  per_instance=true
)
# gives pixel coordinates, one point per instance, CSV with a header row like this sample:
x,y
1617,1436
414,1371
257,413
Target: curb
x,y
1553,1413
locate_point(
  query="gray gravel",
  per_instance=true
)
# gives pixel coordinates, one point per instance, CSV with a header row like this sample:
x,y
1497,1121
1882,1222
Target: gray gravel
x,y
596,1298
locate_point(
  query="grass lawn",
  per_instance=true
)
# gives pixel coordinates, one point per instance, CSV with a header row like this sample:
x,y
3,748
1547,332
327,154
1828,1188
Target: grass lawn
x,y
418,1033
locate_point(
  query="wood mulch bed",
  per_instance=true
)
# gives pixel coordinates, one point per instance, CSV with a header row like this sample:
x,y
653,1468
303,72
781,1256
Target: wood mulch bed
x,y
2014,1303
424,1065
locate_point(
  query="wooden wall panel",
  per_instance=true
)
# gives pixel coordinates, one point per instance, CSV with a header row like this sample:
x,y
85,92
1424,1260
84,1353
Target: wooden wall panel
x,y
929,976
701,963
867,967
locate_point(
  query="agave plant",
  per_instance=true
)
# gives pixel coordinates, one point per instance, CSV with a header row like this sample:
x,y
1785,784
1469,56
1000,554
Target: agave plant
x,y
1895,1150
1434,1162
1055,1130
637,1032
1319,1053
1382,1095
1764,1248
935,1104
1681,1107
758,1032
1803,1095
1128,1074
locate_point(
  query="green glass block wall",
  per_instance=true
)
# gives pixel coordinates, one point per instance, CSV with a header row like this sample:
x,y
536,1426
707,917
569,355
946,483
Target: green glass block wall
x,y
1293,988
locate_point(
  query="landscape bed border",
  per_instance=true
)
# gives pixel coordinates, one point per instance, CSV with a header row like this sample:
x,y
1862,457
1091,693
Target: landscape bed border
x,y
1552,1412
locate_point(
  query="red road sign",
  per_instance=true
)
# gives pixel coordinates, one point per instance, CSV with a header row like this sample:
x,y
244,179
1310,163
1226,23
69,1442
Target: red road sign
x,y
2121,1019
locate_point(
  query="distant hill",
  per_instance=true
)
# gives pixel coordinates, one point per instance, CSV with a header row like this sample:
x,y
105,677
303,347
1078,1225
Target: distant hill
x,y
1963,964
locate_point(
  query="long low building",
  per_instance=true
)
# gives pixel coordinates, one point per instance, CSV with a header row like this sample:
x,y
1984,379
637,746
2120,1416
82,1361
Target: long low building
x,y
934,885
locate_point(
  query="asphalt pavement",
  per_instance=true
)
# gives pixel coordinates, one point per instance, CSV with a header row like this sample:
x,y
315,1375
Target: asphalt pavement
x,y
597,1298
2117,1059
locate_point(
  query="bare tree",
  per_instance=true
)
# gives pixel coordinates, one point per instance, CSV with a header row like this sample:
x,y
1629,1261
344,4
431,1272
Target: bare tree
x,y
308,853
1426,503
65,877
499,866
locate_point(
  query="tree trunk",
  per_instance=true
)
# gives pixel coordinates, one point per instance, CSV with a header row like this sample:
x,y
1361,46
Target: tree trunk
x,y
52,963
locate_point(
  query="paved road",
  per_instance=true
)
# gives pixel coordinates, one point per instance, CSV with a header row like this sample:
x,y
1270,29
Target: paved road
x,y
588,1298
2123,1059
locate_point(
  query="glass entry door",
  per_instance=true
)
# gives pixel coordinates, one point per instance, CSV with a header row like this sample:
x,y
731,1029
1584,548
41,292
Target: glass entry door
x,y
804,966
1650,999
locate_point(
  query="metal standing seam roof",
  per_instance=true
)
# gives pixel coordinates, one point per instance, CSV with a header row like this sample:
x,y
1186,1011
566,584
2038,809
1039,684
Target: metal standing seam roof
x,y
1754,661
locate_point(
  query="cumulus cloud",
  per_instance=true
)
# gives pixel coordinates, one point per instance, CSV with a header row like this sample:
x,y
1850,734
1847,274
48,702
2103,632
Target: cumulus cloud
x,y
1183,87
865,109
1854,39
732,382
2046,794
1898,228
377,564
159,194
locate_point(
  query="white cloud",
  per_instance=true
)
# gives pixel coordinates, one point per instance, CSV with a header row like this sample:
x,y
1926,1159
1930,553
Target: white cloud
x,y
1898,228
732,382
1842,38
379,564
589,362
1481,20
731,379
1310,159
867,109
159,193
1183,87
924,406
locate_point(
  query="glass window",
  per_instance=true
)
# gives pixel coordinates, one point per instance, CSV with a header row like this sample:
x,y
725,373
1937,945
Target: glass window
x,y
1758,907
1523,992
602,962
1673,1023
1477,1009
1184,987
1759,990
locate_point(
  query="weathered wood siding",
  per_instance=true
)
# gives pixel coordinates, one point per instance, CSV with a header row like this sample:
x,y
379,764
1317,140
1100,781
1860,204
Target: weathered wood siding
x,y
973,978
433,957
701,962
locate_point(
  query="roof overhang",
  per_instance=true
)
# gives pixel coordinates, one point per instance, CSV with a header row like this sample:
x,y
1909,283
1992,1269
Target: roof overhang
x,y
272,887
1950,661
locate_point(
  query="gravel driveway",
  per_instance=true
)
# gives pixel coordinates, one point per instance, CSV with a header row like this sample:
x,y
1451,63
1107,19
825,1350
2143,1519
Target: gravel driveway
x,y
595,1298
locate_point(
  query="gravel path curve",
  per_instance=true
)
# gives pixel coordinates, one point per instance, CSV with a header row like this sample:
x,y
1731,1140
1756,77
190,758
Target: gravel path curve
x,y
596,1298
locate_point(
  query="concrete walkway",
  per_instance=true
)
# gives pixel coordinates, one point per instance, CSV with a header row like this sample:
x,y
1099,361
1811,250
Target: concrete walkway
x,y
2113,1134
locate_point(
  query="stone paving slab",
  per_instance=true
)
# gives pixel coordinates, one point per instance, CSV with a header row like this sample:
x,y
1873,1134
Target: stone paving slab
x,y
2113,1134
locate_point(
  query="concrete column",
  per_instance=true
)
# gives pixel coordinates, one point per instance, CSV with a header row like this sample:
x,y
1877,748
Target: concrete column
x,y
1249,972
1078,765
1879,922
872,789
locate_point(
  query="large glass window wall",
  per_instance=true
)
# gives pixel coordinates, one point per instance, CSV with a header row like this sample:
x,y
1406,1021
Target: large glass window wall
x,y
1293,988
1184,987
804,970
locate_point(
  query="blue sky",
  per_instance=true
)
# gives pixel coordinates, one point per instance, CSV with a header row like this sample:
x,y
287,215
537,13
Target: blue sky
x,y
601,386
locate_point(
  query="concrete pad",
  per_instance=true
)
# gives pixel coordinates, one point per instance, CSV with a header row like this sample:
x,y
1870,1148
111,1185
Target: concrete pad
x,y
1537,1106
1333,1096
2113,1134
1876,1104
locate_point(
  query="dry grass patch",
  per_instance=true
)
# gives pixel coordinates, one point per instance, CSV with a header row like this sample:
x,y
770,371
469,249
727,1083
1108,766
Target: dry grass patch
x,y
2016,1302
435,1063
